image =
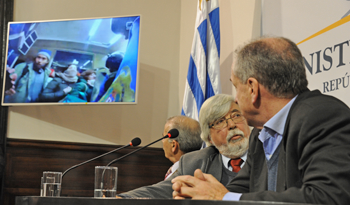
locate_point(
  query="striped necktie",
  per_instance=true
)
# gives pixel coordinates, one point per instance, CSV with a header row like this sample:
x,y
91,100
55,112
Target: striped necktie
x,y
168,172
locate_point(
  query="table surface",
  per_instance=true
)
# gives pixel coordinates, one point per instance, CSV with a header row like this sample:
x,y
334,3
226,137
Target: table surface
x,y
36,200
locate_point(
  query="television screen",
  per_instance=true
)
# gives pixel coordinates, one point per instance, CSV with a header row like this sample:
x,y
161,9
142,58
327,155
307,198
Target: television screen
x,y
80,61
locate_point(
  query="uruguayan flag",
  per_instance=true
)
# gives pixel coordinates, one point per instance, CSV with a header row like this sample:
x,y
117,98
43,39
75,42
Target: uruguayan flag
x,y
203,77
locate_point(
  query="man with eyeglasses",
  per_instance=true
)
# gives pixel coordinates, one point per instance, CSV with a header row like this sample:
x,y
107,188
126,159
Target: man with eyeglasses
x,y
226,134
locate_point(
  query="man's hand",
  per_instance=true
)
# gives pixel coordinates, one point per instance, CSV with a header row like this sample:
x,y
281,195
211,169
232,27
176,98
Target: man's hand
x,y
11,77
10,91
201,186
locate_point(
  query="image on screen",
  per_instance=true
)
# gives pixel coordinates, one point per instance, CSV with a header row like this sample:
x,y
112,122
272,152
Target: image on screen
x,y
80,61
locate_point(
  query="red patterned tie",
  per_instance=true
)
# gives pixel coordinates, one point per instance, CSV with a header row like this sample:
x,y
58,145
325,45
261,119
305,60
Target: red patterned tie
x,y
168,172
236,164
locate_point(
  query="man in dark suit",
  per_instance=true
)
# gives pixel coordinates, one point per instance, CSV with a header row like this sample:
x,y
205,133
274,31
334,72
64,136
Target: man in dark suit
x,y
226,134
300,147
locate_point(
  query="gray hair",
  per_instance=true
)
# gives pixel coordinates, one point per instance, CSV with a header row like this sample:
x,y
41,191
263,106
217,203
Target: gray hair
x,y
276,63
212,109
189,133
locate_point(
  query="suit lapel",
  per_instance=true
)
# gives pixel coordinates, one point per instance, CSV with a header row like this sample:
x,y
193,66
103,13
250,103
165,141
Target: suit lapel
x,y
281,172
259,168
214,165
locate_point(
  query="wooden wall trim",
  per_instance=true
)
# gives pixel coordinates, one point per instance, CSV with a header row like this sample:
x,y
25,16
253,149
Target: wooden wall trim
x,y
66,145
27,159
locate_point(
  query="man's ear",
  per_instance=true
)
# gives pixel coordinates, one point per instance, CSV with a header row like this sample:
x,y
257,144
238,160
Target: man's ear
x,y
253,86
175,146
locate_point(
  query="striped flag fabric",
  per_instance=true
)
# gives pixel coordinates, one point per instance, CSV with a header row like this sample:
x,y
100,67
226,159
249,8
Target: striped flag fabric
x,y
203,77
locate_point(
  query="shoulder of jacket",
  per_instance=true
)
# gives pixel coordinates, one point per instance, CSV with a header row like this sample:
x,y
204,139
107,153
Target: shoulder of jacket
x,y
202,153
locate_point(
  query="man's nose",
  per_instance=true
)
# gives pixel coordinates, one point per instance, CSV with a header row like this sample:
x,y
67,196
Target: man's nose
x,y
230,123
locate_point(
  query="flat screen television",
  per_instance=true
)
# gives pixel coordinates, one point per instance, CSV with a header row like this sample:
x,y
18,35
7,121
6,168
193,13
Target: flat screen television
x,y
80,61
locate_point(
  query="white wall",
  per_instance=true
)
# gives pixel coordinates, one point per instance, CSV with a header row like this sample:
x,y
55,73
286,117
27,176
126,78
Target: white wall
x,y
166,36
320,30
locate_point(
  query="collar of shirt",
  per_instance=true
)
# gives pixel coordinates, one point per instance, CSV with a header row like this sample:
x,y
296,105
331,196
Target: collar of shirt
x,y
174,167
226,160
275,128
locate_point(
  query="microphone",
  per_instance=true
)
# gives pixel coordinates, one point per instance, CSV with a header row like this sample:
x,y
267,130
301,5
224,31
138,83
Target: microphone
x,y
173,133
134,142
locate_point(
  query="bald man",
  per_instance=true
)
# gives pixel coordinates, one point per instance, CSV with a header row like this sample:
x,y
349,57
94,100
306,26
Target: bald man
x,y
188,140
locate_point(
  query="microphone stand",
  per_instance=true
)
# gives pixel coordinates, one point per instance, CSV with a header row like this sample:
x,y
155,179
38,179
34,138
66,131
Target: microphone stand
x,y
77,165
115,160
173,133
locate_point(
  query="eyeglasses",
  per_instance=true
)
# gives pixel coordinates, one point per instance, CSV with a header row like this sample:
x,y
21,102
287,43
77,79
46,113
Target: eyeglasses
x,y
222,123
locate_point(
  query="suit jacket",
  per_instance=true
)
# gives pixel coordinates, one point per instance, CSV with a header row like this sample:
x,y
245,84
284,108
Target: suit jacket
x,y
314,159
25,77
54,90
208,160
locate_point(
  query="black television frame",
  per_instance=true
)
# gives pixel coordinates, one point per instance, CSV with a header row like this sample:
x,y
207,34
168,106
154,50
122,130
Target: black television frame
x,y
94,47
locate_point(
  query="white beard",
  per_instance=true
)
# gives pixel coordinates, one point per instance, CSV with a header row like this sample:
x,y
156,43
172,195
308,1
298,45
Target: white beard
x,y
234,148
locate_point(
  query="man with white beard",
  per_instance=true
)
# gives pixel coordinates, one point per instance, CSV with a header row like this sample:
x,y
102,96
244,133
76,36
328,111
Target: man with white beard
x,y
226,133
